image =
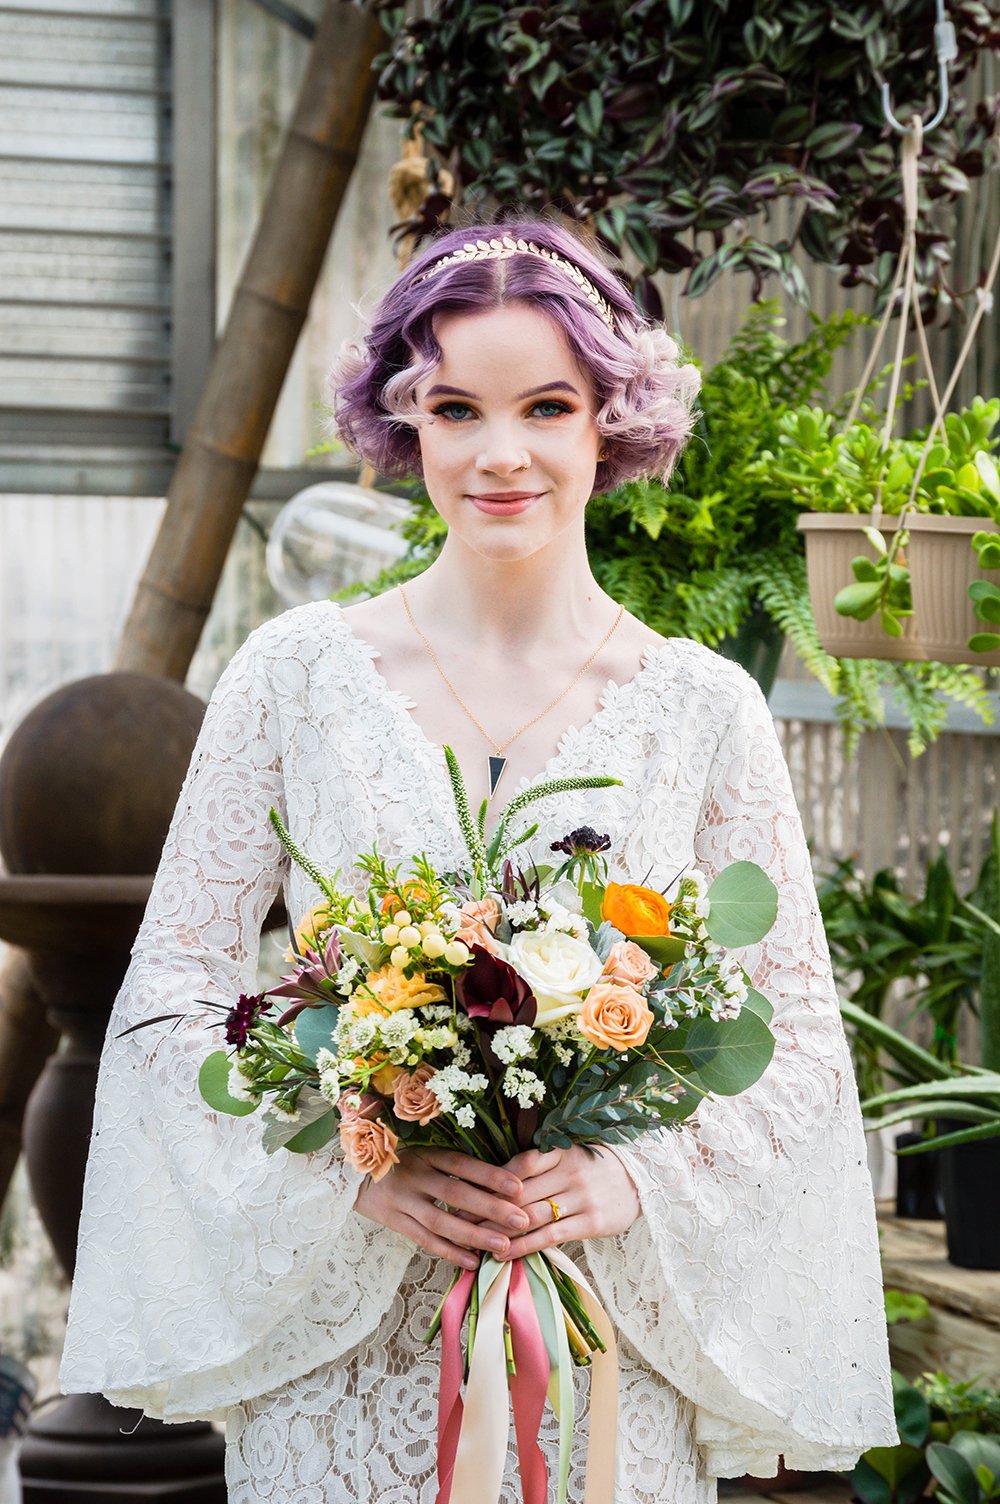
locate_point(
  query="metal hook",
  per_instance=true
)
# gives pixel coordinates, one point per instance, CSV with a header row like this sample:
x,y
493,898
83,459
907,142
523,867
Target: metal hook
x,y
947,50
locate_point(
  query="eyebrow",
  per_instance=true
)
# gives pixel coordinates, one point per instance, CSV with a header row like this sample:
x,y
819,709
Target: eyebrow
x,y
536,391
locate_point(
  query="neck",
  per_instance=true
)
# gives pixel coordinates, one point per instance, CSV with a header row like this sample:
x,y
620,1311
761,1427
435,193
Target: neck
x,y
501,608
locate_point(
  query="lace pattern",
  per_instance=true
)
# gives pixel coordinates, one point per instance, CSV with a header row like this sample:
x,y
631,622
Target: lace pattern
x,y
215,1280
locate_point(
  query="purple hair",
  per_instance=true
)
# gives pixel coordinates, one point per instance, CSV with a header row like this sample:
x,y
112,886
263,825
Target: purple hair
x,y
644,396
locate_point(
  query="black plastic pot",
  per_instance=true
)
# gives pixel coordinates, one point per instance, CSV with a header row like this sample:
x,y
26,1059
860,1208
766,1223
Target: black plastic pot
x,y
970,1179
918,1181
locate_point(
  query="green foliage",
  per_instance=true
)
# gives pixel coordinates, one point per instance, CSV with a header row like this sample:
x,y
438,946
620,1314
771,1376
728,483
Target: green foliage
x,y
948,1448
657,123
880,936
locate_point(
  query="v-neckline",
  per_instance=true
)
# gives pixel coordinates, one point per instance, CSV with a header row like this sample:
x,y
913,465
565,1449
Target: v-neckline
x,y
403,704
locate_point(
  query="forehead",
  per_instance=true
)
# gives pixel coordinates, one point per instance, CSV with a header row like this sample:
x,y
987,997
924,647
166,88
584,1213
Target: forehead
x,y
498,341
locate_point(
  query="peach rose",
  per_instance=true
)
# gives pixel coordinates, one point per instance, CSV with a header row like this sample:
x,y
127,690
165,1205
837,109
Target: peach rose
x,y
414,1101
636,910
369,1146
368,1106
628,962
615,1016
388,989
478,923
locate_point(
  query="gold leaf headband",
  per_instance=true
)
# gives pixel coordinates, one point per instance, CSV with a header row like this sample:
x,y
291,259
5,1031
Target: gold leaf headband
x,y
507,246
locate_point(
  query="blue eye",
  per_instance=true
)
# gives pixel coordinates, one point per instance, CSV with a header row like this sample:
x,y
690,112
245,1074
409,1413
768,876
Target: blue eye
x,y
555,409
454,411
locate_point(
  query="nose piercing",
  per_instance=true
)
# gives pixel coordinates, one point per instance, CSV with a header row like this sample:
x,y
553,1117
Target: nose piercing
x,y
525,466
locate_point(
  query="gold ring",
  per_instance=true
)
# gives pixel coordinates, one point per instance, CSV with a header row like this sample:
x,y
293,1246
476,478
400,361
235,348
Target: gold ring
x,y
556,1213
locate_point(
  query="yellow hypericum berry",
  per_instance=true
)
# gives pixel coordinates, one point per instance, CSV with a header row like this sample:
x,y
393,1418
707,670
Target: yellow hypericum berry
x,y
401,917
456,953
399,956
409,936
390,934
434,944
427,926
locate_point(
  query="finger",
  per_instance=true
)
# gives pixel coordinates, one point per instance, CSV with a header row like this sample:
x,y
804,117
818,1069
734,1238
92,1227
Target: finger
x,y
533,1162
433,1244
549,1236
460,1195
495,1178
443,1224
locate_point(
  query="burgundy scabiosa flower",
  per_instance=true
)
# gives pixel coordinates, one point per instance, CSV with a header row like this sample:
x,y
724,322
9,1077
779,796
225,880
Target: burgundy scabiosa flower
x,y
584,841
241,1019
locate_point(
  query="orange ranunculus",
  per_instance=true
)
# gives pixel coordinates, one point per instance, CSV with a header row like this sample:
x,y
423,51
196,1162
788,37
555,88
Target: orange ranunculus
x,y
636,910
412,892
389,989
615,1016
384,1079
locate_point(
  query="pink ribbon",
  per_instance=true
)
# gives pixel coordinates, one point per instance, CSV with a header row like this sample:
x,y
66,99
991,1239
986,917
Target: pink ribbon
x,y
452,1369
528,1386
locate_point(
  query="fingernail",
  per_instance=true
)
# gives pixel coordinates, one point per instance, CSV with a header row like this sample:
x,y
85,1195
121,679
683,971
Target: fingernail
x,y
517,1219
499,1244
512,1188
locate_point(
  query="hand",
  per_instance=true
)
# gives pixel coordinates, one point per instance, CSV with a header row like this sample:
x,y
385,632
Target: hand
x,y
485,1199
594,1192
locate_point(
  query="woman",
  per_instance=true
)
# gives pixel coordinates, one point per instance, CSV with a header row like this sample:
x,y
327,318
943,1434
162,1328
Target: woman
x,y
738,1258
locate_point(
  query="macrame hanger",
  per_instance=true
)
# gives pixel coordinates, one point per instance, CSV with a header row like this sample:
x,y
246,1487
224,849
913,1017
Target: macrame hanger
x,y
409,183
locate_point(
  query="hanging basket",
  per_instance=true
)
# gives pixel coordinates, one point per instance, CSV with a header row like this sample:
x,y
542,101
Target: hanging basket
x,y
833,539
943,564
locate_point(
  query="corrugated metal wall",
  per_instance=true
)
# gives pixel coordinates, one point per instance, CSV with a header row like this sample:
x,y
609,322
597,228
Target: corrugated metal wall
x,y
84,228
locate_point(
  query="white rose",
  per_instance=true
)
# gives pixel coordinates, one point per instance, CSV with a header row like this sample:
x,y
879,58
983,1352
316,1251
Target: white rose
x,y
558,968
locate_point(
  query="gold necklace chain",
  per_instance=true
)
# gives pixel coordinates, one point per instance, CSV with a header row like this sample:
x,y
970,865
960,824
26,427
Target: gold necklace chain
x,y
498,747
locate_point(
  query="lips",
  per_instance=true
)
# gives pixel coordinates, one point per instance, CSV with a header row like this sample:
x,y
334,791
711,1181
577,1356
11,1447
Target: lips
x,y
503,495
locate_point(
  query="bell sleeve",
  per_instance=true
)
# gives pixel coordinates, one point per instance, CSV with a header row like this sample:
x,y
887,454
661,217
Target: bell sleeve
x,y
752,1280
209,1271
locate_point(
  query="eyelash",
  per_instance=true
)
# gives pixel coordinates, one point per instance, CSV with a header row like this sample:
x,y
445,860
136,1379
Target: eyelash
x,y
442,410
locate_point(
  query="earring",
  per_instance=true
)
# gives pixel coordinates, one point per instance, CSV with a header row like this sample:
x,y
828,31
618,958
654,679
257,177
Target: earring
x,y
603,454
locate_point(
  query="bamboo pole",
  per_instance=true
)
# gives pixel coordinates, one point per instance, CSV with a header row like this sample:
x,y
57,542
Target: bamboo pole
x,y
223,447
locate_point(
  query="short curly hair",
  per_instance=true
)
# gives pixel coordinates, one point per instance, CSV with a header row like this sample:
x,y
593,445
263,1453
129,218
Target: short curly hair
x,y
645,396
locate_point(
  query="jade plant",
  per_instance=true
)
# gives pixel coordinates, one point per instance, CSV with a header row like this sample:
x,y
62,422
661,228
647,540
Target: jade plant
x,y
949,1438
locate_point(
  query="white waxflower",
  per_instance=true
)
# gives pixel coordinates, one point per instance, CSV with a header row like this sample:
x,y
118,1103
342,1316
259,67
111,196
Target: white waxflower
x,y
522,1086
522,911
238,1084
465,1117
513,1043
450,1080
399,1028
563,1054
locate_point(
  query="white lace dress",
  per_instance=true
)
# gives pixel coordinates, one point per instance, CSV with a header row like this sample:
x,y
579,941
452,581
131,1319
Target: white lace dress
x,y
214,1280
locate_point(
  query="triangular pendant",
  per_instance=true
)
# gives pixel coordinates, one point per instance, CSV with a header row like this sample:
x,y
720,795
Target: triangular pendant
x,y
496,767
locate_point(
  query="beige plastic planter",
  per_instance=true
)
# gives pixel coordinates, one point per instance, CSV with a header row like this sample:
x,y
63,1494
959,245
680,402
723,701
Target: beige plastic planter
x,y
942,566
833,539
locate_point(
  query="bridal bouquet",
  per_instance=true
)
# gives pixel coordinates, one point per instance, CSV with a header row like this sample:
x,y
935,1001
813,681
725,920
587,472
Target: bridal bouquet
x,y
492,1009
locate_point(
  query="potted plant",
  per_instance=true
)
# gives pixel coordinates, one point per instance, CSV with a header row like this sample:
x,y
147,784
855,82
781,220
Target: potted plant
x,y
919,580
961,1099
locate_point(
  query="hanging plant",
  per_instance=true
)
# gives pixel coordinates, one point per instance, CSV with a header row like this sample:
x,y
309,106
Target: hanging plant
x,y
661,121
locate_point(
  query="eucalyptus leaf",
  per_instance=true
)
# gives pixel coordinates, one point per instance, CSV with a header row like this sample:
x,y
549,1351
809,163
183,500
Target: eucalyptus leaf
x,y
665,950
213,1083
314,1029
278,1132
743,905
315,1135
731,1054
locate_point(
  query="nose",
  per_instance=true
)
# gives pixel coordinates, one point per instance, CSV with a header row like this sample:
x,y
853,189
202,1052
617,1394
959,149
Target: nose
x,y
501,454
